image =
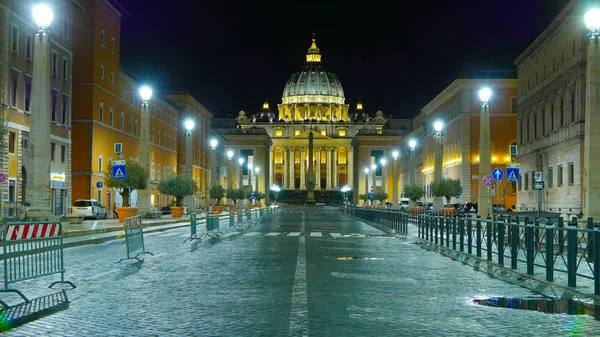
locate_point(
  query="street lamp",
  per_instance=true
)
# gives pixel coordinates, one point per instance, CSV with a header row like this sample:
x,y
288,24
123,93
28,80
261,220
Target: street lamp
x,y
256,170
366,184
229,168
345,189
412,144
438,126
241,162
592,110
189,126
383,161
214,177
144,196
249,176
395,155
276,189
374,172
39,190
485,165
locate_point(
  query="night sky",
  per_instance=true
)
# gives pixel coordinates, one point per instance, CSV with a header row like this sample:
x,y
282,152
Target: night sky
x,y
396,58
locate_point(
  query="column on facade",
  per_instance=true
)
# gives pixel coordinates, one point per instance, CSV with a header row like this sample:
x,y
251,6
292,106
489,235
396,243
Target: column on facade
x,y
329,168
271,175
334,163
302,163
318,169
350,166
292,164
268,174
285,157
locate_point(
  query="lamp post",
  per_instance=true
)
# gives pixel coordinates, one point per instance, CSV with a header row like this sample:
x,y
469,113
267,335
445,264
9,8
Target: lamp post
x,y
214,177
189,157
395,180
249,177
485,165
374,171
39,190
144,195
241,182
345,190
256,171
438,126
229,169
366,184
383,161
276,189
412,144
591,163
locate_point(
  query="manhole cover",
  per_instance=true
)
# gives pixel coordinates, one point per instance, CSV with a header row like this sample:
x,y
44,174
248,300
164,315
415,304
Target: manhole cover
x,y
547,305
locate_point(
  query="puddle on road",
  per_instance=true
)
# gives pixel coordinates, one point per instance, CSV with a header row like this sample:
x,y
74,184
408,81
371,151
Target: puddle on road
x,y
546,305
344,258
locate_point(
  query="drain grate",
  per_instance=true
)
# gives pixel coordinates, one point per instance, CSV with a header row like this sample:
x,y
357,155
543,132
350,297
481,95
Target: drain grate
x,y
547,305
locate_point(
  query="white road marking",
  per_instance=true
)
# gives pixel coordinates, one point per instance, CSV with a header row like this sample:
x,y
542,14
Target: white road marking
x,y
272,234
294,234
252,234
316,234
335,235
299,312
97,276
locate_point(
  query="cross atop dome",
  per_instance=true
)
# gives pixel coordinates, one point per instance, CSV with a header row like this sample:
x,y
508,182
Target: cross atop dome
x,y
313,52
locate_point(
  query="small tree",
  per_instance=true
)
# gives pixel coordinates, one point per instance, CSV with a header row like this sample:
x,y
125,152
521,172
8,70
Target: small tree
x,y
446,188
136,178
414,192
233,194
380,195
259,196
217,192
363,197
179,187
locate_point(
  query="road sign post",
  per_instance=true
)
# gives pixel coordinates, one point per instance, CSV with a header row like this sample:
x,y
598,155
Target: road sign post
x,y
539,186
512,173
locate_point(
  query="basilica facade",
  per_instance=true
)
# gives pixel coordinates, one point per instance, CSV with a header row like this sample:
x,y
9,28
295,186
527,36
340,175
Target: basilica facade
x,y
345,140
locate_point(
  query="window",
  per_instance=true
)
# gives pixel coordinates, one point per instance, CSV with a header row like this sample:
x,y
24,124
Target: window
x,y
122,121
324,132
520,182
513,105
532,179
101,72
341,133
27,95
52,148
534,126
12,137
136,130
152,135
572,108
53,106
112,78
14,44
28,46
543,122
551,117
100,163
559,175
63,152
152,171
13,90
102,36
165,139
131,125
65,103
550,177
65,28
112,45
526,181
296,132
158,138
54,63
64,68
571,174
111,116
562,112
101,113
159,113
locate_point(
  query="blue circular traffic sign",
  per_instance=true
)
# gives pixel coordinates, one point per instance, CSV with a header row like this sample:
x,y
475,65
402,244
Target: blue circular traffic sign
x,y
99,184
488,180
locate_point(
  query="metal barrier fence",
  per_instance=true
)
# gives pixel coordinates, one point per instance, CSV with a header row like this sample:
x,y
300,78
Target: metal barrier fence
x,y
212,224
392,219
134,238
193,229
32,250
570,250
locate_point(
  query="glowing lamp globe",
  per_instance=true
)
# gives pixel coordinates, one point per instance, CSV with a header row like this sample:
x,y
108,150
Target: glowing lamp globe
x,y
412,143
395,154
145,93
485,94
189,124
42,15
366,170
383,161
229,154
592,19
438,126
214,143
241,161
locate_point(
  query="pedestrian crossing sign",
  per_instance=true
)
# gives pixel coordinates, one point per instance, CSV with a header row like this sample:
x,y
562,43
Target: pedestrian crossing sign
x,y
512,173
119,172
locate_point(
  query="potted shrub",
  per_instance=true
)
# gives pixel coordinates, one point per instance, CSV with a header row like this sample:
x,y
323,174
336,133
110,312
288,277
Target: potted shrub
x,y
446,188
178,187
217,192
259,196
414,192
382,197
248,195
234,194
136,179
363,197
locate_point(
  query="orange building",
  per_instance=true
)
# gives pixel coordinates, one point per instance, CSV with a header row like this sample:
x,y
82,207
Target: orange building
x,y
17,49
107,109
458,106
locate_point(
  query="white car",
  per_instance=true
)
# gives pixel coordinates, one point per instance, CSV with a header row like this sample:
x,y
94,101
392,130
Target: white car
x,y
90,208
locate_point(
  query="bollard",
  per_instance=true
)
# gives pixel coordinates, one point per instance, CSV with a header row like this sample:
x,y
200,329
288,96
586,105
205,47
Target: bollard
x,y
530,248
231,219
537,233
549,250
500,243
561,236
436,224
461,236
448,222
488,229
572,253
441,222
469,225
454,234
239,216
478,239
249,214
514,244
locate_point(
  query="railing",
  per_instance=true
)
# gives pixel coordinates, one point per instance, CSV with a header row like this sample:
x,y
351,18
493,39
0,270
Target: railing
x,y
561,249
391,219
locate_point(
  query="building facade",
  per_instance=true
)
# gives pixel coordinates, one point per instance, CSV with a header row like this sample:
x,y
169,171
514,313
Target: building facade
x,y
17,32
551,114
458,107
313,102
107,110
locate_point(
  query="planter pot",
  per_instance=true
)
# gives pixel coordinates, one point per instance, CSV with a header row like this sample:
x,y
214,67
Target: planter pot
x,y
382,207
259,205
415,210
449,212
176,211
232,208
217,209
126,212
251,206
365,206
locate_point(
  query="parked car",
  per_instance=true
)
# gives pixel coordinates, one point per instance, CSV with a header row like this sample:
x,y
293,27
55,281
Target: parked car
x,y
166,210
404,203
91,208
501,209
470,207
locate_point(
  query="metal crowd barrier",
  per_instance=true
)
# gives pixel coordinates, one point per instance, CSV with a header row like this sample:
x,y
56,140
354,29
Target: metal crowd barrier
x,y
193,233
391,219
572,250
212,224
32,250
134,238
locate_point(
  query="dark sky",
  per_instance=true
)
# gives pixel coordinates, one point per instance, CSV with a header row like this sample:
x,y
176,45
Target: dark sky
x,y
397,57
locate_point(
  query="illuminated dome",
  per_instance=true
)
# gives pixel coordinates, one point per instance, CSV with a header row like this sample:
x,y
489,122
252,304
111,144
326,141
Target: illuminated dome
x,y
265,115
313,83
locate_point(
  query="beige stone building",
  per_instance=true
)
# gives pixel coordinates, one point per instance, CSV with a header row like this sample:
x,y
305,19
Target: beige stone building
x,y
551,114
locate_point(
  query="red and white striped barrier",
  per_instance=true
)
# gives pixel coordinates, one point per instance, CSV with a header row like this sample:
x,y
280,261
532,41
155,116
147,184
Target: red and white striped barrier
x,y
31,231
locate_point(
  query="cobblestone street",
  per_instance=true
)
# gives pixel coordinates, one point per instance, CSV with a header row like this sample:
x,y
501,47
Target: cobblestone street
x,y
300,272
